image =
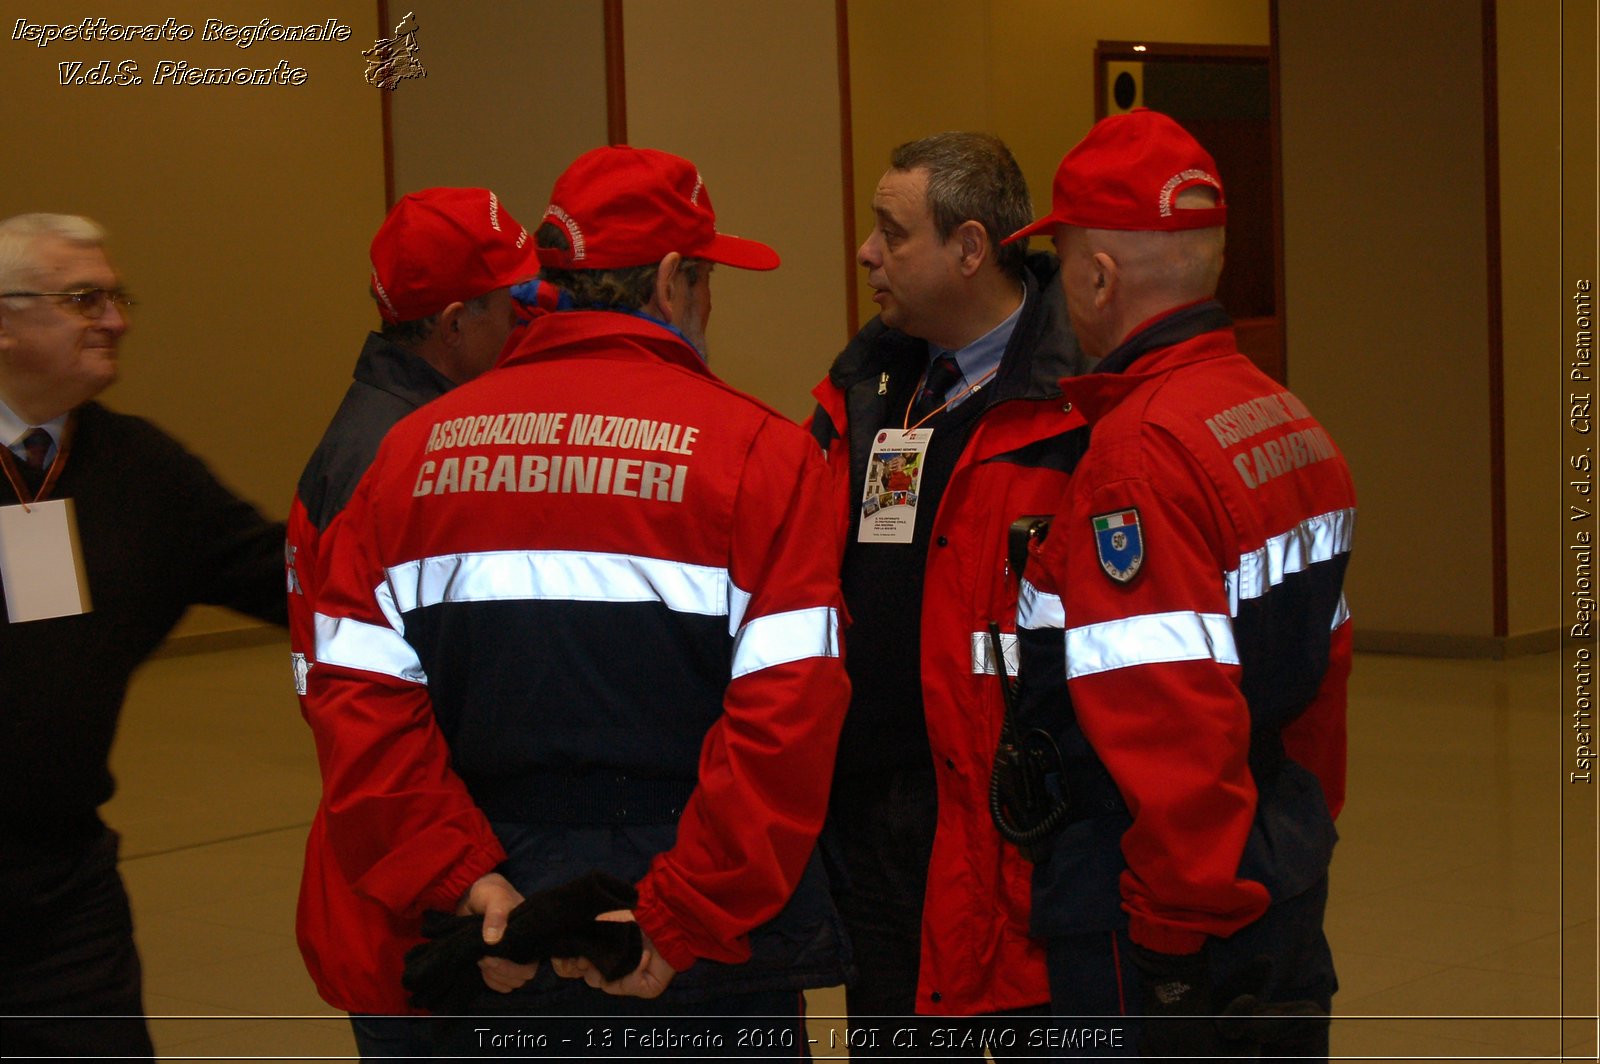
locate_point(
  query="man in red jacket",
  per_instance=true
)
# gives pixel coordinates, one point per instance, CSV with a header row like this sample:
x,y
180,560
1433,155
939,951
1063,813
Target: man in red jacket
x,y
1186,644
607,580
442,262
953,391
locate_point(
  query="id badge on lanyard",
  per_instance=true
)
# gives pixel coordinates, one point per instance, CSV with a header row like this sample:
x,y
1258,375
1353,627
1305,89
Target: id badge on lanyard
x,y
41,561
894,483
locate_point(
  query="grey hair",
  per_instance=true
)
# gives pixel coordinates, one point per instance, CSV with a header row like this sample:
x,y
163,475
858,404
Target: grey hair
x,y
973,177
627,287
409,334
19,234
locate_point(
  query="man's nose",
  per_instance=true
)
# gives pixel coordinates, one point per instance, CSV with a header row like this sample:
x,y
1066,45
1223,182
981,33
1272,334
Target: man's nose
x,y
867,254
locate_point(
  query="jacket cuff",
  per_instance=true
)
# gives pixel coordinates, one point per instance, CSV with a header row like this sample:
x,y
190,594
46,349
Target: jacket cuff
x,y
1164,939
656,922
447,894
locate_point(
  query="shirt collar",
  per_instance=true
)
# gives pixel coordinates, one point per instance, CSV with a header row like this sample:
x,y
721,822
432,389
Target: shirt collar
x,y
13,428
982,356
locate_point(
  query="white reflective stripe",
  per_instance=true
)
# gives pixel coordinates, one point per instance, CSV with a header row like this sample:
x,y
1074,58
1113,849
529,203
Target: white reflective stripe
x,y
1341,614
738,603
368,647
1035,609
983,655
780,638
1149,639
568,576
1316,539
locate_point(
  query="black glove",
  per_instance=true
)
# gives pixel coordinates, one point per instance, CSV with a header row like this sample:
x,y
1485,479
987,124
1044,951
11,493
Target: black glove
x,y
442,973
1247,1018
1175,1000
560,922
1182,1020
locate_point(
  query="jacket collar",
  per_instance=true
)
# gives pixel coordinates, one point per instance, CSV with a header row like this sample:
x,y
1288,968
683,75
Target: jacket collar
x,y
391,368
603,334
1159,346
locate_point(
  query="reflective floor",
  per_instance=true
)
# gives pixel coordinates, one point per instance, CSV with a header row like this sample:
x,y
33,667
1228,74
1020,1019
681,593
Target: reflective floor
x,y
1448,919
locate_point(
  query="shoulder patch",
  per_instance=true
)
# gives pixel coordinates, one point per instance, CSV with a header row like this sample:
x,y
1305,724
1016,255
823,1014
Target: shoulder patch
x,y
1118,538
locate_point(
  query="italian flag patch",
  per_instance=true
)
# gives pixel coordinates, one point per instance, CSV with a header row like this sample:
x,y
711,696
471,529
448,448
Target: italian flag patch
x,y
1121,544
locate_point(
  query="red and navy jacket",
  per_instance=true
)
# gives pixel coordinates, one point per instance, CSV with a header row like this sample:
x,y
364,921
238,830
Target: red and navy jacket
x,y
353,947
976,954
1186,641
607,580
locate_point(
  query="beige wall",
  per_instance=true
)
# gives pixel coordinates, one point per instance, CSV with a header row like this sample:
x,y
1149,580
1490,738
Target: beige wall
x,y
239,217
1386,282
1021,69
514,93
916,67
1530,242
1387,298
750,93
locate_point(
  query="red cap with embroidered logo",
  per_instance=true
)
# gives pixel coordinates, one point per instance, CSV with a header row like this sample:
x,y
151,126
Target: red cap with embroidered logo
x,y
622,206
1127,174
446,245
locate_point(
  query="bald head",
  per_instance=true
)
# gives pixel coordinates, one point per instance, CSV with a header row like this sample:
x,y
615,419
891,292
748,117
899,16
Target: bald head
x,y
1116,279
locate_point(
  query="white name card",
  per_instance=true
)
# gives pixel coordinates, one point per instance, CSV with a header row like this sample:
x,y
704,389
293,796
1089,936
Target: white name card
x,y
41,561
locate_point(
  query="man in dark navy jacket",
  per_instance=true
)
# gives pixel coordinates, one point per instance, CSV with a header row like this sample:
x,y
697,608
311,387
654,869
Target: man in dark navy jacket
x,y
954,383
442,264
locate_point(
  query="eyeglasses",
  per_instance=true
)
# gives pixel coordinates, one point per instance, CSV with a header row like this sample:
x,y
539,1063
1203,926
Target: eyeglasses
x,y
89,302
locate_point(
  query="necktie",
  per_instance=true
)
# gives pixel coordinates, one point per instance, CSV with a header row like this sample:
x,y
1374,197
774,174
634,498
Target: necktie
x,y
941,375
35,445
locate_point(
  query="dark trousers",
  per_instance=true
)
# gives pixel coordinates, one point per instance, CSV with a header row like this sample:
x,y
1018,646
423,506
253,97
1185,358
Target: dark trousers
x,y
69,972
384,1038
882,827
1282,957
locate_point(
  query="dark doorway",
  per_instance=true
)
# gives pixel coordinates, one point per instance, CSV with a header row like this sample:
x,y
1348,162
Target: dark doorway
x,y
1223,95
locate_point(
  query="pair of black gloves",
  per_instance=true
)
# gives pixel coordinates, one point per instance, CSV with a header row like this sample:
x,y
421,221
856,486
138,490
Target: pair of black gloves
x,y
1184,1015
442,973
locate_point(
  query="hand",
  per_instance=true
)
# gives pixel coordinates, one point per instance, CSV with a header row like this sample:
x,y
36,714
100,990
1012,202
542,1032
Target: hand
x,y
1175,1000
503,976
493,897
648,980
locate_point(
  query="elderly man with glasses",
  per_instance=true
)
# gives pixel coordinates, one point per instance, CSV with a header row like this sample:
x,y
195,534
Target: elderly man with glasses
x,y
109,530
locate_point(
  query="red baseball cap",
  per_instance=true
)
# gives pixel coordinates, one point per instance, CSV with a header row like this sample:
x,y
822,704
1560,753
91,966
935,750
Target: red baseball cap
x,y
1127,173
622,206
446,245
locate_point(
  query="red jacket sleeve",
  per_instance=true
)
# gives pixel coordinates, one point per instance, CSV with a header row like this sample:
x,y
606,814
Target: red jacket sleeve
x,y
405,829
1153,674
765,767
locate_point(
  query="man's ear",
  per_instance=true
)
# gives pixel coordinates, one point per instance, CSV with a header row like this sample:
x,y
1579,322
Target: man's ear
x,y
666,279
448,328
973,242
1106,278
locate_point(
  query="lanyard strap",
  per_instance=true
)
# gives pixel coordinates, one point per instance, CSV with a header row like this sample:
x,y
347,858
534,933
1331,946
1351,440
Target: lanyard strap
x,y
14,473
971,389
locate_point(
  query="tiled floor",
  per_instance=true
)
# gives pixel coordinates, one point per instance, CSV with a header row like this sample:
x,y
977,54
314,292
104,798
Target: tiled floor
x,y
1447,914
